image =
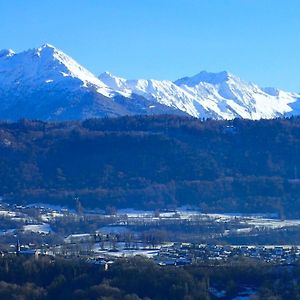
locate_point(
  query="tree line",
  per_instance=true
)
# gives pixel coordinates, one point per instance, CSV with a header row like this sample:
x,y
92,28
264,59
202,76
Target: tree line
x,y
154,162
138,278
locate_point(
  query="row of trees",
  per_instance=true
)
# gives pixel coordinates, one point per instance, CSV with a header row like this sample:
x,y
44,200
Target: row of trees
x,y
137,278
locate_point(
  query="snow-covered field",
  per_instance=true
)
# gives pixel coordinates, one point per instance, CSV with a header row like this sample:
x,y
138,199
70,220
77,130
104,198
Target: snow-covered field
x,y
129,253
42,228
6,213
47,206
257,221
273,224
132,213
51,215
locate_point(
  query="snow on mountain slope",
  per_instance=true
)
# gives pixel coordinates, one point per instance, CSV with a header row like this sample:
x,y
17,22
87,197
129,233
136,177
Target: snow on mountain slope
x,y
211,95
164,92
45,83
45,66
231,97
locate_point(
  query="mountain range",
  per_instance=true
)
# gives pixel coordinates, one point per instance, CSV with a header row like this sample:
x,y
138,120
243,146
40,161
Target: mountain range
x,y
45,83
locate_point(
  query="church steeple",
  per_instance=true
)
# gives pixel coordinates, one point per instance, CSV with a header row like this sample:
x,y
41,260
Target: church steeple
x,y
18,248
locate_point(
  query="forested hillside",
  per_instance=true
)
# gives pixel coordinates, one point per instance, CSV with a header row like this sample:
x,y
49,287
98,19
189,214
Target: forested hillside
x,y
154,162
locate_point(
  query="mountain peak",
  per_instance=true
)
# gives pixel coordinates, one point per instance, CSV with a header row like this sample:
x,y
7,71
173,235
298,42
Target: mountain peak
x,y
44,65
112,81
47,46
48,50
107,74
7,53
207,77
213,78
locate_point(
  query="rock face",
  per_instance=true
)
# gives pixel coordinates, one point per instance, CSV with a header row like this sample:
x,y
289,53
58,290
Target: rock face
x,y
46,84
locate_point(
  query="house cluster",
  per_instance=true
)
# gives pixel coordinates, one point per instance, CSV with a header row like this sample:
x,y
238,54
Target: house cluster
x,y
186,253
176,254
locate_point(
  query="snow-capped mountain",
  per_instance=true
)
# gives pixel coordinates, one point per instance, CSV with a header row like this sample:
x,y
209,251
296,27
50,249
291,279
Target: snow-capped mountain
x,y
211,95
229,96
44,83
45,66
164,92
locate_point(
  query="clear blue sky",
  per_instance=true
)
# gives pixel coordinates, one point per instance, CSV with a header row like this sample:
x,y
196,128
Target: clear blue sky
x,y
259,40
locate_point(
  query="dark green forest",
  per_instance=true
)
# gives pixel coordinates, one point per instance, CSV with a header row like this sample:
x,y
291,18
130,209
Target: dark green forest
x,y
137,278
154,162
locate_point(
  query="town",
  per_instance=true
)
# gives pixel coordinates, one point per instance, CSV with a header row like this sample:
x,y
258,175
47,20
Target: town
x,y
176,237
